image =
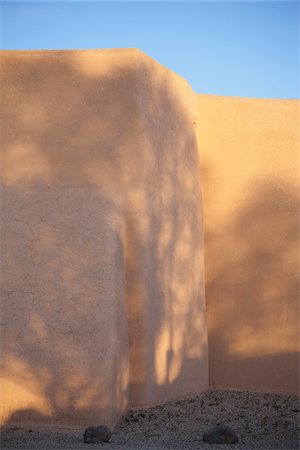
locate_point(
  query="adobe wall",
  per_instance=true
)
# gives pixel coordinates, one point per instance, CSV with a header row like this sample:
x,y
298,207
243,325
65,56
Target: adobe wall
x,y
251,194
103,302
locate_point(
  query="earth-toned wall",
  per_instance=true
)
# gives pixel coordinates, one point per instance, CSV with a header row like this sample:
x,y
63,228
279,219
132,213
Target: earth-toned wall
x,y
250,160
102,276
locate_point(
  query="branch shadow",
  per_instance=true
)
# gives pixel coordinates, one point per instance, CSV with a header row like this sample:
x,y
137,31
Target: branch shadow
x,y
252,291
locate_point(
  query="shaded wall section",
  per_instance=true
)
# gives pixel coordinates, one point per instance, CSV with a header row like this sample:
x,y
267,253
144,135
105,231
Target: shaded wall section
x,y
251,193
103,301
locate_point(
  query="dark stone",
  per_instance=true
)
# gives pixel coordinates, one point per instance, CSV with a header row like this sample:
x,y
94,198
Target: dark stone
x,y
220,435
96,435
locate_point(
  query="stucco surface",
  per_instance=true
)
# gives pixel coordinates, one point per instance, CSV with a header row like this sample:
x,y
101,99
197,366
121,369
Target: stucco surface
x,y
102,276
251,194
103,301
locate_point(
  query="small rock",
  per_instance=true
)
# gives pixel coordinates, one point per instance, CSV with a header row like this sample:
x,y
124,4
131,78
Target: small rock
x,y
220,435
95,435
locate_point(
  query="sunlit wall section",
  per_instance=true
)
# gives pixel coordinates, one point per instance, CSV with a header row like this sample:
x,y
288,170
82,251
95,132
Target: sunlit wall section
x,y
250,152
102,275
64,345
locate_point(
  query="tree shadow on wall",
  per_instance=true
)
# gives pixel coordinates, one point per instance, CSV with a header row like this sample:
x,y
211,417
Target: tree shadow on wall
x,y
74,220
252,291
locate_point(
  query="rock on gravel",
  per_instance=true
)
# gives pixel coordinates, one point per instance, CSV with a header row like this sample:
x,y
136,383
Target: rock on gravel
x,y
220,435
96,435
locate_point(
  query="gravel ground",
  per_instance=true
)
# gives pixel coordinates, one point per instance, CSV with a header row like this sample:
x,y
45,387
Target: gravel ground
x,y
262,421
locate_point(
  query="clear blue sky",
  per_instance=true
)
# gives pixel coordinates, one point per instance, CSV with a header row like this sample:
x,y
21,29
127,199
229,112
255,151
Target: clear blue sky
x,y
229,48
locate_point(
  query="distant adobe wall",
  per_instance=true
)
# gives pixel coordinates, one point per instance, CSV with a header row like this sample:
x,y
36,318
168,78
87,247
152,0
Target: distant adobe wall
x,y
250,157
102,278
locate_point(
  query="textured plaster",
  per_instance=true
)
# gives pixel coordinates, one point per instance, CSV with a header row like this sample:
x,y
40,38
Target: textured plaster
x,y
64,331
103,301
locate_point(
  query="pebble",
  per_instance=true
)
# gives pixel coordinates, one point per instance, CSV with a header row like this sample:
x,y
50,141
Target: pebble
x,y
96,435
220,435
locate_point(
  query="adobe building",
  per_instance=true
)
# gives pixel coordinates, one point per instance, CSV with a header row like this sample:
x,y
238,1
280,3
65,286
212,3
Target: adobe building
x,y
118,182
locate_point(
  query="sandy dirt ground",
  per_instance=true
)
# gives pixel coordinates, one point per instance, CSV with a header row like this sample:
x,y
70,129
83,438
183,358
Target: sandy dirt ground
x,y
261,421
